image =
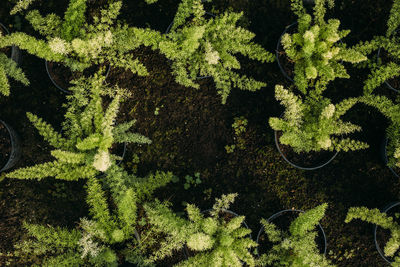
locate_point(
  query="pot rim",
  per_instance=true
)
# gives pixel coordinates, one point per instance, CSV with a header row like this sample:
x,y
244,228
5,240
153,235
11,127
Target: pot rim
x,y
15,51
277,52
58,86
300,167
15,152
386,82
385,209
385,156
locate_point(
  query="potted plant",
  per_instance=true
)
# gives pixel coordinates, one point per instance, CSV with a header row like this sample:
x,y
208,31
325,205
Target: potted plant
x,y
107,238
79,45
309,134
10,150
312,56
89,134
292,236
388,68
9,57
214,239
391,237
201,46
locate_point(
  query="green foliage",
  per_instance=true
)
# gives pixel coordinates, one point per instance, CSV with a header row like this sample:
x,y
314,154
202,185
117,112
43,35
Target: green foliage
x,y
9,68
239,126
394,18
89,133
77,44
33,46
314,124
314,48
58,246
297,246
74,20
91,244
391,111
201,46
215,240
384,221
20,6
189,180
389,44
381,72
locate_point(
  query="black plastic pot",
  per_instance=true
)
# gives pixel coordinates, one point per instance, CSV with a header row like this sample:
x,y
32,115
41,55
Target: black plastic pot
x,y
297,166
278,48
385,157
185,249
282,213
378,248
15,52
15,153
65,90
169,28
386,82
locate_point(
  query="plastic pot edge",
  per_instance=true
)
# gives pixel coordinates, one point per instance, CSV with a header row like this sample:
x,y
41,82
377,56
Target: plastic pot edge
x,y
15,154
386,82
385,157
299,167
66,91
15,51
385,209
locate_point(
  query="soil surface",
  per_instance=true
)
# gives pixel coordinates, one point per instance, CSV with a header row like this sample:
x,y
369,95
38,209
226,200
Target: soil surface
x,y
5,145
190,129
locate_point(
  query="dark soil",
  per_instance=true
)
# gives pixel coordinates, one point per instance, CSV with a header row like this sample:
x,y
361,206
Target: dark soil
x,y
5,145
192,127
283,222
306,160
